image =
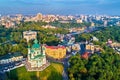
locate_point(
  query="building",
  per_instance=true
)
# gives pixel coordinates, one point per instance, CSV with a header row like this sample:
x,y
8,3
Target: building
x,y
49,26
92,24
71,41
11,57
76,47
79,21
9,24
36,58
90,48
29,35
81,29
68,49
118,23
39,17
93,48
109,41
86,18
105,23
56,52
95,38
115,44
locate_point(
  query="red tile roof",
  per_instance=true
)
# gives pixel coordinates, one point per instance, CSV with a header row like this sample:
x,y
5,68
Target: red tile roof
x,y
85,55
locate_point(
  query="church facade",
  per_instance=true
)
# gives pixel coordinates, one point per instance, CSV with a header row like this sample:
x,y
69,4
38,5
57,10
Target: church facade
x,y
36,58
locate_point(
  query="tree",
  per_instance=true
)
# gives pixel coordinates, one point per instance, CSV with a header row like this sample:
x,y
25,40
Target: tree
x,y
98,67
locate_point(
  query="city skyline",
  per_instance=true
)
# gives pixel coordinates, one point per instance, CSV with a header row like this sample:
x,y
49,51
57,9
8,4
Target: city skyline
x,y
62,7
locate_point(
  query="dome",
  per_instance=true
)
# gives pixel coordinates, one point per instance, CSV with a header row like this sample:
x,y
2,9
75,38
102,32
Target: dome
x,y
36,45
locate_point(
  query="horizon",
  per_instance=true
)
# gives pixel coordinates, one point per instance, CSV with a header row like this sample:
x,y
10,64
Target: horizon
x,y
60,7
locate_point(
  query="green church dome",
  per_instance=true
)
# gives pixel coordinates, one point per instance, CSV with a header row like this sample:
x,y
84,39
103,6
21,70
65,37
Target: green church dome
x,y
36,45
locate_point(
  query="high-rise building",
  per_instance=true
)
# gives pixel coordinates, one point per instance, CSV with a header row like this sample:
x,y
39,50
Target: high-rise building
x,y
118,23
92,24
82,17
98,18
39,16
85,18
105,23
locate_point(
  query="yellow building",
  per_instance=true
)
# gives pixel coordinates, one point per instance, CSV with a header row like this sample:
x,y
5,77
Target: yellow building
x,y
57,52
93,48
90,47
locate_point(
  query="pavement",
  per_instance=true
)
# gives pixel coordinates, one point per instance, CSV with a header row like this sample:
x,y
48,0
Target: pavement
x,y
65,64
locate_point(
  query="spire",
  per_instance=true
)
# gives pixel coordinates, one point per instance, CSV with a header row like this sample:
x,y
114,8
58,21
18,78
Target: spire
x,y
35,41
36,44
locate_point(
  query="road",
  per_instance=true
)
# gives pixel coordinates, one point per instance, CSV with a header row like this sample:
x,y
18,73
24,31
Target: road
x,y
65,64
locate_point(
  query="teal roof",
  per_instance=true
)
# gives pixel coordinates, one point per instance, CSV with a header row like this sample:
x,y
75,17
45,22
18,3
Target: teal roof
x,y
36,45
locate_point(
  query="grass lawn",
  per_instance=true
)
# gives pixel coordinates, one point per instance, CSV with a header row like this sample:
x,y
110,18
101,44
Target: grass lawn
x,y
53,72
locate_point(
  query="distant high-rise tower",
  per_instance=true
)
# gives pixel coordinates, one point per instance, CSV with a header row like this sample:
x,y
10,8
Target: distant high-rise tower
x,y
82,17
105,23
85,18
118,23
39,16
92,24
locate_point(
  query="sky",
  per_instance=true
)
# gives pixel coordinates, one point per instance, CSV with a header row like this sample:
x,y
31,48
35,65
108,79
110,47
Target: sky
x,y
62,7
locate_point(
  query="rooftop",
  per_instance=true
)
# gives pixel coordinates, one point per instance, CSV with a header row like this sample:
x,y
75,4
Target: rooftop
x,y
55,47
10,55
36,45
